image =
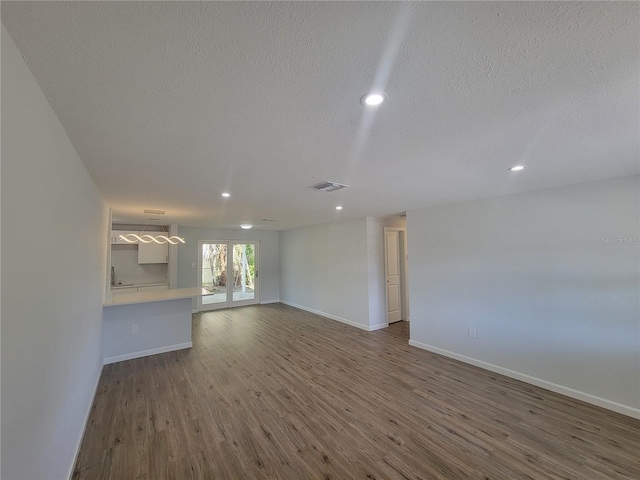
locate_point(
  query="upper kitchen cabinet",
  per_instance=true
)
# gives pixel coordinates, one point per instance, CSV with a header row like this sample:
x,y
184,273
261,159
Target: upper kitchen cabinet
x,y
153,253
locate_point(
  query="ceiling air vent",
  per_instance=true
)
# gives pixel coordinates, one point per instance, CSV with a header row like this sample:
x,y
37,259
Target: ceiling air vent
x,y
328,186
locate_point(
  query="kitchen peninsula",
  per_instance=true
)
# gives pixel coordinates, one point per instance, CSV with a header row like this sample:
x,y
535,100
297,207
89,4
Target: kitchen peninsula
x,y
143,323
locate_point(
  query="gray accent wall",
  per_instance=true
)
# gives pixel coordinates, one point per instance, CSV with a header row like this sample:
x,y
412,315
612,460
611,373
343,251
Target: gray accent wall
x,y
54,247
550,281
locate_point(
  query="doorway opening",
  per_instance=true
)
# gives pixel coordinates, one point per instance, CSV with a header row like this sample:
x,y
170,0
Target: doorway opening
x,y
228,274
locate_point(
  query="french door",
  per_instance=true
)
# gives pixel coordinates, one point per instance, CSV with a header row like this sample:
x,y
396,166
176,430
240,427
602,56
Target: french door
x,y
228,274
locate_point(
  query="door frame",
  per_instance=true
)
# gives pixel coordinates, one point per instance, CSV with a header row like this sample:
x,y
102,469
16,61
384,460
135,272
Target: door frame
x,y
404,284
230,303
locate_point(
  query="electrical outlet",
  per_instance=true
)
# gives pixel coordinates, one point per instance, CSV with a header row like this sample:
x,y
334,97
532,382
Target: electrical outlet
x,y
193,265
472,332
139,270
134,328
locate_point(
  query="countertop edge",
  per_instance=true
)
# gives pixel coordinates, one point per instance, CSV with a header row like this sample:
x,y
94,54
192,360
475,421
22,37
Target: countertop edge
x,y
118,299
137,285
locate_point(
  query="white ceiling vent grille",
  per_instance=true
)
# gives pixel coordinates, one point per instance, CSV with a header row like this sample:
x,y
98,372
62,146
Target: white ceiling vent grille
x,y
328,186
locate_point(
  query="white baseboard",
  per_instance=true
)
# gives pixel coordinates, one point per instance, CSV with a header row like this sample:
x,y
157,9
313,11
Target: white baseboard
x,y
378,326
146,353
262,302
84,428
266,302
327,315
554,387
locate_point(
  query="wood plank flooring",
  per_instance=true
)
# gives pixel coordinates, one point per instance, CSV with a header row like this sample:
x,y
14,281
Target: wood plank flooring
x,y
275,392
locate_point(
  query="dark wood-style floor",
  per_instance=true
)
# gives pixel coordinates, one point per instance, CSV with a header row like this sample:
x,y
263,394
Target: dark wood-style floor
x,y
275,392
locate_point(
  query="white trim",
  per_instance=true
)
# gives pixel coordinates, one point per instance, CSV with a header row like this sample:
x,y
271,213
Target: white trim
x,y
554,387
194,311
107,285
266,302
172,264
377,327
146,353
328,315
86,422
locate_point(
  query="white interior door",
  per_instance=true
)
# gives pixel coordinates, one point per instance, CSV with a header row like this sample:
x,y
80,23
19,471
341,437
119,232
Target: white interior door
x,y
228,274
393,272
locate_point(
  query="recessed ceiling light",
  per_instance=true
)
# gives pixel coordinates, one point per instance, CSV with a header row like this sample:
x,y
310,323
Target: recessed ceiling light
x,y
516,168
338,207
226,195
246,226
373,99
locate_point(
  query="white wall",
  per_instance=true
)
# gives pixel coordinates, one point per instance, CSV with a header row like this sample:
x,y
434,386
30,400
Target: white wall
x,y
553,302
324,270
124,260
337,270
162,327
269,268
54,243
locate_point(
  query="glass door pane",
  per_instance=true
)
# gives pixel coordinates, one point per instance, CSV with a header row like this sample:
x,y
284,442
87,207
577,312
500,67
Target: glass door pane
x,y
228,274
214,274
244,272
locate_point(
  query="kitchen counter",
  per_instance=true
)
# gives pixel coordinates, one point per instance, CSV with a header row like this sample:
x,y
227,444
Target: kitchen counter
x,y
152,296
146,323
136,285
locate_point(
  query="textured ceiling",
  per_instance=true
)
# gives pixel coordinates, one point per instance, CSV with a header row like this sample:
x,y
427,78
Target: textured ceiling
x,y
171,103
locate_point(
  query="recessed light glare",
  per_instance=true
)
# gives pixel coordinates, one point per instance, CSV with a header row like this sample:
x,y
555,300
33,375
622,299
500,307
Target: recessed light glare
x,y
516,168
246,226
373,99
226,195
338,207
